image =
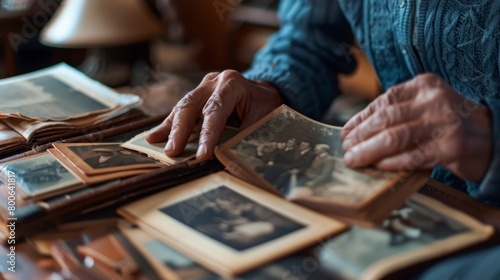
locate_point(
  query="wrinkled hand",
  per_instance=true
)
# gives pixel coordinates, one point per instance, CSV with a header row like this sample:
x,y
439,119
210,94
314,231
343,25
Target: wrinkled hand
x,y
214,100
419,124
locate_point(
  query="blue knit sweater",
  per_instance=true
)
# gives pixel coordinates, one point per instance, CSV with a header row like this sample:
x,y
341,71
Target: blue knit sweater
x,y
458,40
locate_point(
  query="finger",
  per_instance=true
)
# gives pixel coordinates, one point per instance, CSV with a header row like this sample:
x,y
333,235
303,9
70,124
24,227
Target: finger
x,y
396,94
184,117
382,119
160,133
215,113
407,161
386,143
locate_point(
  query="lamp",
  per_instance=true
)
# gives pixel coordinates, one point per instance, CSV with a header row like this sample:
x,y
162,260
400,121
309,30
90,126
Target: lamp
x,y
102,26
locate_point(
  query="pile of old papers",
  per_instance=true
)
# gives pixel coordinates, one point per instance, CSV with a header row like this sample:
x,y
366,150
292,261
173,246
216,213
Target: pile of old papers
x,y
56,101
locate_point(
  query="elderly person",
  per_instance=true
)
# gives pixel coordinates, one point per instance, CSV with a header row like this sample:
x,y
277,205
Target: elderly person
x,y
437,61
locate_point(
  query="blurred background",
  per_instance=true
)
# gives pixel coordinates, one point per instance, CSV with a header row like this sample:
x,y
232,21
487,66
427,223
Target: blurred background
x,y
197,35
129,42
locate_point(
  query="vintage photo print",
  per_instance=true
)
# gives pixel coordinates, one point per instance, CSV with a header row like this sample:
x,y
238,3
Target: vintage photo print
x,y
222,218
94,178
166,261
305,164
40,176
232,219
157,150
422,229
100,158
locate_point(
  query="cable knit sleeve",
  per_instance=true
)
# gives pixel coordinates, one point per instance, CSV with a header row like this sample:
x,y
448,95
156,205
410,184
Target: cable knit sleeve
x,y
303,58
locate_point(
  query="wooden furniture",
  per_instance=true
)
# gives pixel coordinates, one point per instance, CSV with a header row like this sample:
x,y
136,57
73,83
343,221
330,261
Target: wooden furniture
x,y
15,30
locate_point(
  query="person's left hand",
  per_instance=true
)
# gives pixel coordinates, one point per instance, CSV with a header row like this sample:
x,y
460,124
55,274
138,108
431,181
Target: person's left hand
x,y
420,124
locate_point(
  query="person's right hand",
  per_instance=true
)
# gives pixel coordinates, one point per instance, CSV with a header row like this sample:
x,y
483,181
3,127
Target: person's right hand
x,y
214,100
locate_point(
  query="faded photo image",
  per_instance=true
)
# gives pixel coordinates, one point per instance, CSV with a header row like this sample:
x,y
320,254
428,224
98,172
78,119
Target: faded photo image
x,y
231,219
46,97
40,174
183,266
108,156
412,227
300,157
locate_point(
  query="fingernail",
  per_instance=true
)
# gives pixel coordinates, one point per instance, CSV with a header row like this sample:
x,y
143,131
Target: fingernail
x,y
202,151
170,146
346,144
349,158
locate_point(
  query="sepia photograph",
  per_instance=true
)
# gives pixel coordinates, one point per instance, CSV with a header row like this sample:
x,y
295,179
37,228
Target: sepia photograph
x,y
40,176
157,150
94,178
223,218
306,164
100,158
422,229
232,219
166,261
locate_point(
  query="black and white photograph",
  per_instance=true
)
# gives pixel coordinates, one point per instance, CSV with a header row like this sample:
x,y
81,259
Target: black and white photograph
x,y
40,175
46,97
308,163
98,158
221,217
422,228
166,261
232,219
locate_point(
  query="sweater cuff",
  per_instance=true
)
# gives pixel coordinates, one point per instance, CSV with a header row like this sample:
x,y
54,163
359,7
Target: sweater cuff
x,y
489,190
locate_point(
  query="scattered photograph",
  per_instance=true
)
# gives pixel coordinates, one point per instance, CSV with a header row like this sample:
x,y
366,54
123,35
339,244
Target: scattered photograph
x,y
305,164
46,97
221,218
40,175
166,261
99,158
232,219
422,229
156,150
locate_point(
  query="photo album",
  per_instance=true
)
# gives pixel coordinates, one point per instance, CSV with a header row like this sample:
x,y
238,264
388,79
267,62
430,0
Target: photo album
x,y
57,101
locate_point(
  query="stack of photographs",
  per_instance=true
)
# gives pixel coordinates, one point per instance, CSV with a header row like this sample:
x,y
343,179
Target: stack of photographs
x,y
100,162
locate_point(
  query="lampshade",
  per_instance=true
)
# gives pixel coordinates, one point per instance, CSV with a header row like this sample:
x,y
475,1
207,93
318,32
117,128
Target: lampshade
x,y
100,23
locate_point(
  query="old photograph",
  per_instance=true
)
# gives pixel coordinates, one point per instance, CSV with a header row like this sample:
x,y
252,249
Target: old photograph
x,y
232,219
308,163
166,261
46,97
422,228
99,158
40,175
221,217
157,150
